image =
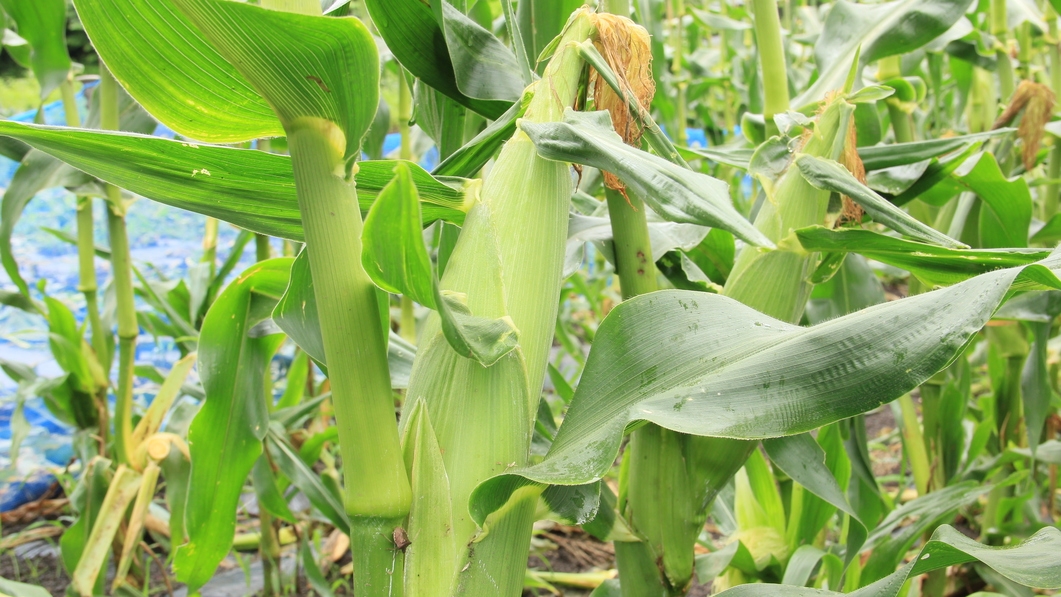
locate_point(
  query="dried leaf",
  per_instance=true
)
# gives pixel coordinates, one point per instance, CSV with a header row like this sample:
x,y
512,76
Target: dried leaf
x,y
1037,102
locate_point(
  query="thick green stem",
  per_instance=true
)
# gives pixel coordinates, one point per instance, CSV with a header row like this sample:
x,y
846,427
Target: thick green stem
x,y
376,488
122,270
677,47
269,550
902,121
86,245
771,61
1000,29
634,261
262,249
915,444
1052,190
405,115
210,229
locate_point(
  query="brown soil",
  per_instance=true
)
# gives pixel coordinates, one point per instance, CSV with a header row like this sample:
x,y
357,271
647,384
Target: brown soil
x,y
43,570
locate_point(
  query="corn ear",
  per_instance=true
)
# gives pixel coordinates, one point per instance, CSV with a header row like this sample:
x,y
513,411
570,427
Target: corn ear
x,y
508,262
777,282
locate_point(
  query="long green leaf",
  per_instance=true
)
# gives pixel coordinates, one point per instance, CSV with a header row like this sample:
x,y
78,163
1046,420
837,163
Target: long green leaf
x,y
706,365
250,189
226,436
933,264
879,157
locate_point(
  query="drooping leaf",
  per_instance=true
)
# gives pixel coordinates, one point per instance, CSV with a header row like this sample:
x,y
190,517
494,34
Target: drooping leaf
x,y
164,61
675,193
226,436
829,175
38,171
42,23
704,364
484,68
802,459
889,542
250,189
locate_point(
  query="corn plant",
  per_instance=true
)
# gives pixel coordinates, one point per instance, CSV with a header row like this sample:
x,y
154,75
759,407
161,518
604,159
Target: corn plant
x,y
727,353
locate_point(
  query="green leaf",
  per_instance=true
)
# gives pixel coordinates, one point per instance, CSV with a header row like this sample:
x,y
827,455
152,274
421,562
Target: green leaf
x,y
42,23
394,255
802,459
164,61
269,496
1034,562
878,31
38,171
296,314
311,67
307,481
854,286
481,338
434,548
250,189
932,264
901,154
474,154
675,193
829,175
484,67
889,542
417,40
707,365
21,589
225,438
1006,211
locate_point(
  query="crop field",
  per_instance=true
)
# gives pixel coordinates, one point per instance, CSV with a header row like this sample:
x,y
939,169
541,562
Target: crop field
x,y
504,298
